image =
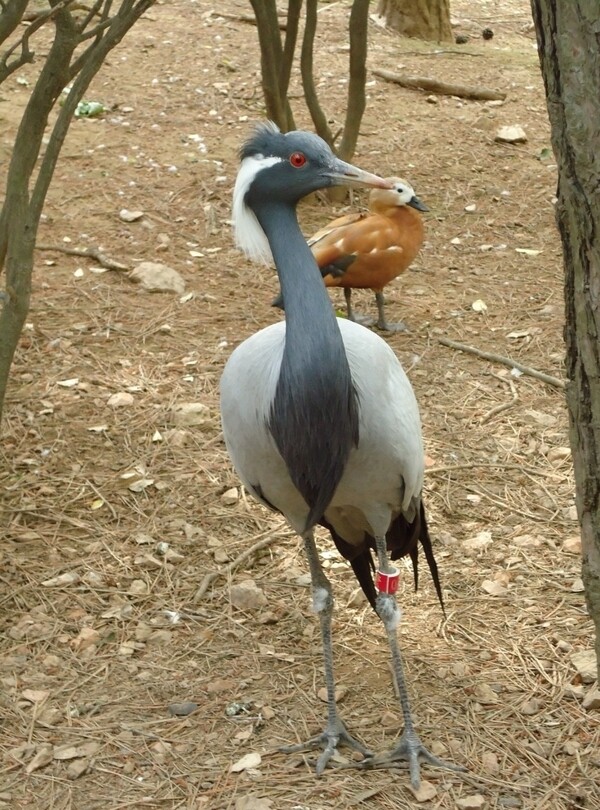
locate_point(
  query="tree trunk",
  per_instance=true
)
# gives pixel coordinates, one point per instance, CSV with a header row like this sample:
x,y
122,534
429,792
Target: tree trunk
x,y
421,19
568,33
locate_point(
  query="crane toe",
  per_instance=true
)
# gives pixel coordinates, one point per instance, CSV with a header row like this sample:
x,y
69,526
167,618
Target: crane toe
x,y
329,739
409,750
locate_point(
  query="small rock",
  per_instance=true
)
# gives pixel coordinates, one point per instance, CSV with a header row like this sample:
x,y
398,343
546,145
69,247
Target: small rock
x,y
357,598
247,595
510,802
470,208
66,752
425,792
156,277
122,399
564,646
490,763
138,587
531,706
592,699
473,802
558,453
572,545
511,134
230,497
176,438
578,586
86,637
186,414
182,709
585,663
77,768
432,100
485,694
130,216
390,720
220,556
340,693
478,543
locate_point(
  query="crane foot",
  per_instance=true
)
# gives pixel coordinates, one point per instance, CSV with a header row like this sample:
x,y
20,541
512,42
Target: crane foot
x,y
329,739
409,750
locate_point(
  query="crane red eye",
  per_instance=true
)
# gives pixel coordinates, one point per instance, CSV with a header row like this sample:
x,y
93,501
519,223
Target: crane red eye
x,y
297,159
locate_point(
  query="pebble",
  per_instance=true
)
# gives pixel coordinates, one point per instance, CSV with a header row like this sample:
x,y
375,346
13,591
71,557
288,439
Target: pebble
x,y
247,595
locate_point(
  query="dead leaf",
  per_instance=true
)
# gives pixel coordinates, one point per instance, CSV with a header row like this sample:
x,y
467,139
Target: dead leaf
x,y
35,695
494,588
68,578
252,760
253,802
41,759
474,802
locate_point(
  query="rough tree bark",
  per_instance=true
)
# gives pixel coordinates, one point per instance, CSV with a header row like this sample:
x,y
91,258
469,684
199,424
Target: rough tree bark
x,y
421,19
77,52
568,33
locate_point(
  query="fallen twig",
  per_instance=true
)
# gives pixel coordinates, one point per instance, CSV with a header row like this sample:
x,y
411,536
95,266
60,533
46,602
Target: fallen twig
x,y
505,361
88,253
442,88
504,406
269,538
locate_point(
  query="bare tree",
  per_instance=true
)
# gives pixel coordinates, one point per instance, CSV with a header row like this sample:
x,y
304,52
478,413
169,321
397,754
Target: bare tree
x,y
568,34
81,42
421,19
277,60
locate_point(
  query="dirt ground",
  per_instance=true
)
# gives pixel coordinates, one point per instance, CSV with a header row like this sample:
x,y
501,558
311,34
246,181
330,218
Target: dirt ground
x,y
114,514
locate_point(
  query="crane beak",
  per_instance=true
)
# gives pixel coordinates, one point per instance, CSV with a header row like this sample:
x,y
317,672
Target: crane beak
x,y
418,204
345,174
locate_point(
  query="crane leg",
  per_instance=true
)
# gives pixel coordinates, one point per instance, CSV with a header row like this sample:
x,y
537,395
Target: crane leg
x,y
335,731
381,319
409,747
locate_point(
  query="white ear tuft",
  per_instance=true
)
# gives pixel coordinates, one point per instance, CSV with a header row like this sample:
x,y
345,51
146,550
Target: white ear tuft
x,y
248,234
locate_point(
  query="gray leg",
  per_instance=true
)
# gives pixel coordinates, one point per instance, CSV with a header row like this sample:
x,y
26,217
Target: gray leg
x,y
381,321
365,320
335,731
409,747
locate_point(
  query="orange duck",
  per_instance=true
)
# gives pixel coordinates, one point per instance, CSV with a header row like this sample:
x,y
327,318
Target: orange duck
x,y
369,250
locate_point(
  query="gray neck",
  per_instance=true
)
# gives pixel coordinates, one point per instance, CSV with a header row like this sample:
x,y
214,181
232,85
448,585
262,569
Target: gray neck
x,y
314,415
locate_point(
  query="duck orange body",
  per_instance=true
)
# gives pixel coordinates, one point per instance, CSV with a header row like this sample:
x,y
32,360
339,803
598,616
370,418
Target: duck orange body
x,y
369,250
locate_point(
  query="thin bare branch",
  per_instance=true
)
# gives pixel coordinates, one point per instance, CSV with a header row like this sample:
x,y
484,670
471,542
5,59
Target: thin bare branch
x,y
358,30
306,69
12,14
505,361
88,253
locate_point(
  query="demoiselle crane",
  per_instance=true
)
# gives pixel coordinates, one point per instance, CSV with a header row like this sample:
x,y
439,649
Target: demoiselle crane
x,y
319,418
369,250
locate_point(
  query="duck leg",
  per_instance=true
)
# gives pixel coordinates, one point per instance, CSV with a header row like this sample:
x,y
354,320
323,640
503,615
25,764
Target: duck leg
x,y
363,320
335,731
409,747
381,319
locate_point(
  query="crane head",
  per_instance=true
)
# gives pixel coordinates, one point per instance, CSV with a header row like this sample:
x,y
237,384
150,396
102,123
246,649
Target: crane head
x,y
281,168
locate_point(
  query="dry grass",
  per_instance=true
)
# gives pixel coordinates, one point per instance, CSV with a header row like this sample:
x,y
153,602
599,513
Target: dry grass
x,y
493,684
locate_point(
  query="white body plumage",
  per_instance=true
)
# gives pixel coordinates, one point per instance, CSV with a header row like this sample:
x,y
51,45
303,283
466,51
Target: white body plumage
x,y
384,474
